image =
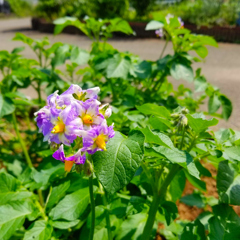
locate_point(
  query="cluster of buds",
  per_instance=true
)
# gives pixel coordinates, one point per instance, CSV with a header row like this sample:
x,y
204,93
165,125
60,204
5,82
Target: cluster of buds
x,y
160,33
75,124
179,119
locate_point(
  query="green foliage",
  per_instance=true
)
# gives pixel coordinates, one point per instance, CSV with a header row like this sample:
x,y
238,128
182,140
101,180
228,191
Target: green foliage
x,y
21,8
142,7
205,13
121,160
160,139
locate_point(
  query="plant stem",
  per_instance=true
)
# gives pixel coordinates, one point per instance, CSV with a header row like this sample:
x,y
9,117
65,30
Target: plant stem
x,y
192,143
164,48
29,162
25,152
40,196
149,176
105,203
182,138
113,89
174,170
151,217
92,208
157,199
39,92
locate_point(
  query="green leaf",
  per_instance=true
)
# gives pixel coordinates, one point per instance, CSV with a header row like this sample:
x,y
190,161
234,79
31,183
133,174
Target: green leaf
x,y
228,183
153,109
61,54
12,217
181,71
8,183
157,138
159,123
170,211
194,199
17,50
79,56
6,106
8,197
193,231
23,38
226,106
207,40
120,25
44,177
118,67
57,193
39,230
233,152
203,171
214,103
196,182
154,25
64,224
201,51
61,23
182,158
177,186
199,124
116,167
225,223
132,228
71,206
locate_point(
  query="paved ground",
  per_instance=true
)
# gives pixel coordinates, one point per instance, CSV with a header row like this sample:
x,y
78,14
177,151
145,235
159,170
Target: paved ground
x,y
221,68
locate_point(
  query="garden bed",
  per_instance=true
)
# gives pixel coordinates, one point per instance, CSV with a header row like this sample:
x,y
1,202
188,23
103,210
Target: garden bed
x,y
222,34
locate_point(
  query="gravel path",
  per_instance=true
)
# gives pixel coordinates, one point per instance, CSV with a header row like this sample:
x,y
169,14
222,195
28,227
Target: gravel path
x,y
221,67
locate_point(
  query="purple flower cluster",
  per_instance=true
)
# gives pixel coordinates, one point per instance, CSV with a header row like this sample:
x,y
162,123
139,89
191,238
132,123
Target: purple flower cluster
x,y
160,33
76,113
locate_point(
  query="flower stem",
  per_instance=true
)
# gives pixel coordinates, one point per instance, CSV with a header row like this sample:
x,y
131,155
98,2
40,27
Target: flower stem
x,y
157,199
182,138
40,196
92,208
39,93
151,217
164,48
24,148
105,203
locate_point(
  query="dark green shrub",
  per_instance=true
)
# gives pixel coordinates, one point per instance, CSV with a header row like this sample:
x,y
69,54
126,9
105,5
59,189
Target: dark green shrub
x,y
107,8
20,7
206,12
49,8
142,7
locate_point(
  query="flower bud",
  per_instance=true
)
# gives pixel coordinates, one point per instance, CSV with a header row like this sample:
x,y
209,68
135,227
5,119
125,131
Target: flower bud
x,y
185,111
88,168
105,110
184,121
54,146
79,168
175,115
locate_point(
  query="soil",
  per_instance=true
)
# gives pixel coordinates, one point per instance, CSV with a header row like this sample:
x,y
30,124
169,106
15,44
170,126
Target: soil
x,y
191,213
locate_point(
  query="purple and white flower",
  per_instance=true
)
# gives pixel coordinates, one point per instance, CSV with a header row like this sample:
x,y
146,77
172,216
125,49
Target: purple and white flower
x,y
78,157
159,32
75,117
96,138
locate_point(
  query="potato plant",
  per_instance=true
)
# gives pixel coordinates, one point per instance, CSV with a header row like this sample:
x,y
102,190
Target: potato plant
x,y
107,155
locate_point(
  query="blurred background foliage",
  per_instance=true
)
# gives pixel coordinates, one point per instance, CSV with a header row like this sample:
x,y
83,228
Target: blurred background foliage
x,y
198,12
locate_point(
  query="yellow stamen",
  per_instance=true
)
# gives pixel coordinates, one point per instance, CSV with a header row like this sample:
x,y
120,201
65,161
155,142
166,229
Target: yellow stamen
x,y
68,165
59,128
100,141
87,119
